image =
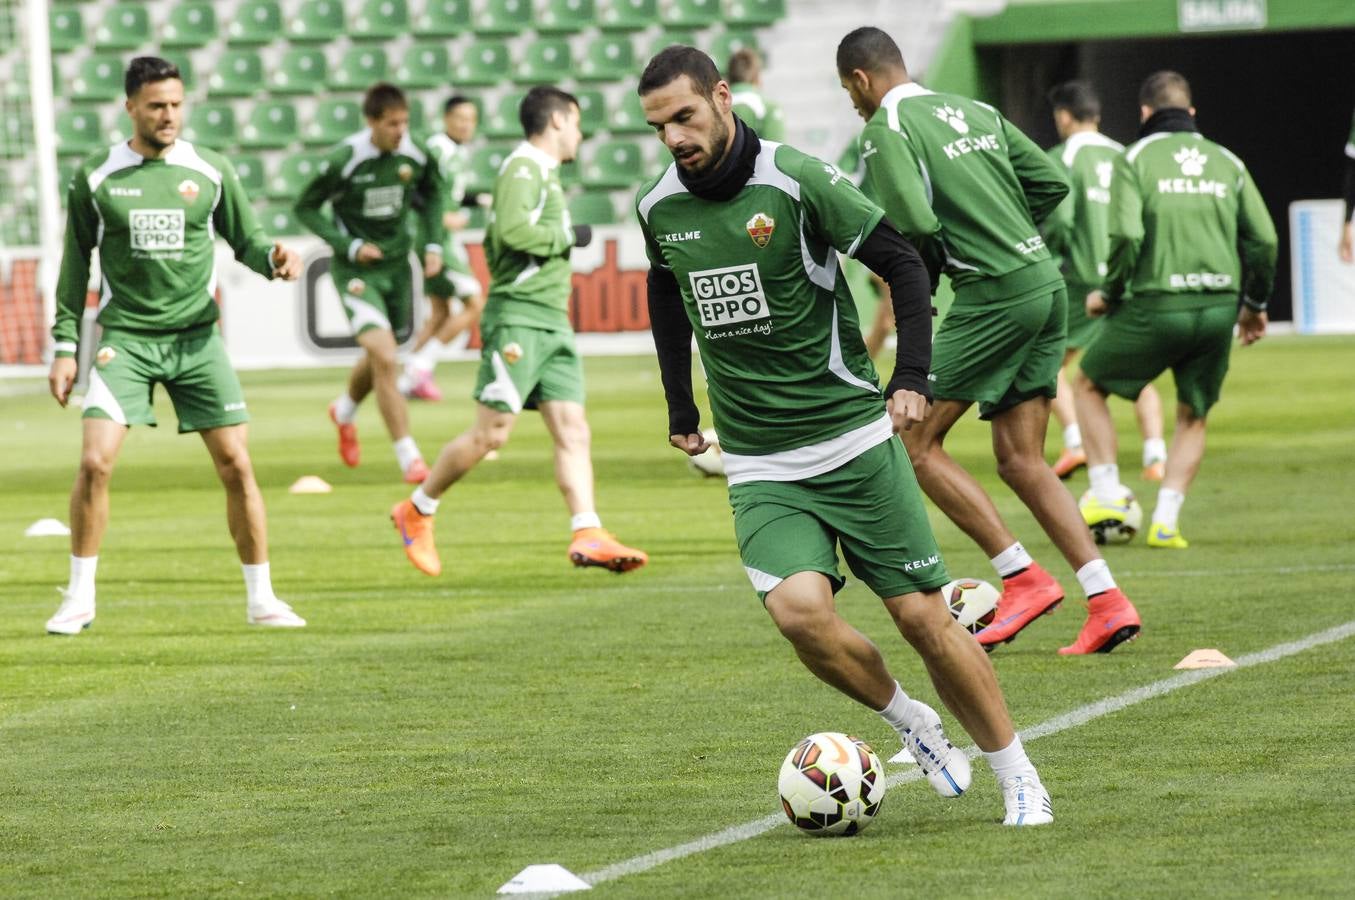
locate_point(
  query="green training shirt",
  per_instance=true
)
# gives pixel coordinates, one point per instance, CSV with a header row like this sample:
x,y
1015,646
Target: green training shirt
x,y
371,194
1077,231
792,389
453,162
1186,218
967,187
527,244
761,114
154,222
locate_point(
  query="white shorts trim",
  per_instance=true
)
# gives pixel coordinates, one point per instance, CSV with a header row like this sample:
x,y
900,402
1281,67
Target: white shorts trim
x,y
806,462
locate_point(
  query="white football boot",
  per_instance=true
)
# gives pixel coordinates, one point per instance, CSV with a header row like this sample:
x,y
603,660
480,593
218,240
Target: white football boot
x,y
273,613
926,744
73,616
1027,801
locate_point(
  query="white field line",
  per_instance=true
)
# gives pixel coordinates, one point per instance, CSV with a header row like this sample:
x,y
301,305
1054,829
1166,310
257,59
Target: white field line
x,y
1073,719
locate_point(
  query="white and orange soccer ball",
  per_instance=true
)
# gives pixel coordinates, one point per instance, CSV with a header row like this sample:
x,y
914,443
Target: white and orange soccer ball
x,y
972,602
831,783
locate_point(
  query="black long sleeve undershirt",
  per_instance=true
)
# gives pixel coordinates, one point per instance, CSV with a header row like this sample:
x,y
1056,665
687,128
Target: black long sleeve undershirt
x,y
672,332
1348,189
889,255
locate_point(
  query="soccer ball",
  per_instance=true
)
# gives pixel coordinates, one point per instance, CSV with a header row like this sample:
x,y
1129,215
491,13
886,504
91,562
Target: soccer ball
x,y
1114,523
972,602
831,783
710,463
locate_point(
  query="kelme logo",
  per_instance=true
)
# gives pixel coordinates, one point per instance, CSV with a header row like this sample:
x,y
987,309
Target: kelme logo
x,y
1191,161
953,117
760,229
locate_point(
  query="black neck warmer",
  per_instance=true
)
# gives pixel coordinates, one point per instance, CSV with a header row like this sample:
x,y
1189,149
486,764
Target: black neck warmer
x,y
1169,119
731,173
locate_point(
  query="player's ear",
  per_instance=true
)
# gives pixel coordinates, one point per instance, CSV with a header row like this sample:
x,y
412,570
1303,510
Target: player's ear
x,y
722,97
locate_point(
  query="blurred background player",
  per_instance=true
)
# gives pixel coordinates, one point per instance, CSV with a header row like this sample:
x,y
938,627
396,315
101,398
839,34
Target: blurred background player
x,y
1076,232
745,83
967,187
809,439
1346,248
153,207
529,359
1189,232
369,180
455,281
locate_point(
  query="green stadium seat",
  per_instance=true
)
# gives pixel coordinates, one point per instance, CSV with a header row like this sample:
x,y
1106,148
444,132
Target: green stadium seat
x,y
17,230
609,57
418,117
361,66
238,73
484,64
503,122
692,13
78,131
191,24
250,171
181,59
668,38
425,65
592,111
66,28
566,16
485,164
334,120
629,15
124,26
504,17
256,22
295,173
545,61
302,70
615,164
724,46
272,123
756,13
211,122
592,208
317,20
629,117
99,78
379,20
279,220
443,18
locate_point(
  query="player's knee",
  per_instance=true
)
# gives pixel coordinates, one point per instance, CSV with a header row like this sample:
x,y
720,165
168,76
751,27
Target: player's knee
x,y
490,436
921,625
1015,467
575,435
96,465
233,465
800,621
385,363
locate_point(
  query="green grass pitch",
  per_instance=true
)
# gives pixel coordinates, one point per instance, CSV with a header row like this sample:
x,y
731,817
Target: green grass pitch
x,y
431,737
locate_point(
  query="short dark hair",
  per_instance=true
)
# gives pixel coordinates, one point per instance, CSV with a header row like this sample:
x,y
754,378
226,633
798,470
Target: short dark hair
x,y
868,49
1165,90
381,98
745,64
1078,98
454,101
146,69
540,104
676,60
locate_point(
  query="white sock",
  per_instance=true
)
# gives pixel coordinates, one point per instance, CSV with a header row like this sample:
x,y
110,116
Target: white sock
x,y
345,410
424,503
404,382
1012,560
901,711
1106,483
258,582
82,576
1095,578
1154,450
584,520
1072,437
425,359
1011,760
406,451
1168,507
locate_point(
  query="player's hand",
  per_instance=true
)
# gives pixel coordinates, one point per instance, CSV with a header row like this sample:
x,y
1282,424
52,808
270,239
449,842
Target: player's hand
x,y
1096,305
690,444
61,378
432,265
286,262
906,408
1251,326
454,220
583,235
1346,248
368,253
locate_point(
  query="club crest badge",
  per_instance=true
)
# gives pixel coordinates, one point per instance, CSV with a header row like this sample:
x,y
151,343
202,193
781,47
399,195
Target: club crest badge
x,y
512,352
406,172
105,356
760,229
188,190
355,287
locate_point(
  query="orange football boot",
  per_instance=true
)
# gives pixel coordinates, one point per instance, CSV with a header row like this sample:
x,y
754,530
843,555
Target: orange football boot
x,y
1026,596
348,440
597,547
416,530
1111,620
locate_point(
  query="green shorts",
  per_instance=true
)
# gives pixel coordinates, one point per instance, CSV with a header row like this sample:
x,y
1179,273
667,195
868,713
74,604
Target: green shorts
x,y
456,279
1001,356
522,366
1082,328
871,507
376,296
1148,335
194,369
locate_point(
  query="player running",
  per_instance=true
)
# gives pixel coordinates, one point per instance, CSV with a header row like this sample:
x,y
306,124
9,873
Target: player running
x,y
370,181
153,207
742,237
528,360
456,282
967,187
1189,232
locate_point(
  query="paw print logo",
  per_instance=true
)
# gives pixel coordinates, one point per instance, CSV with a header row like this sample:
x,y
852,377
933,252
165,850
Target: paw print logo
x,y
1191,161
953,117
1103,173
